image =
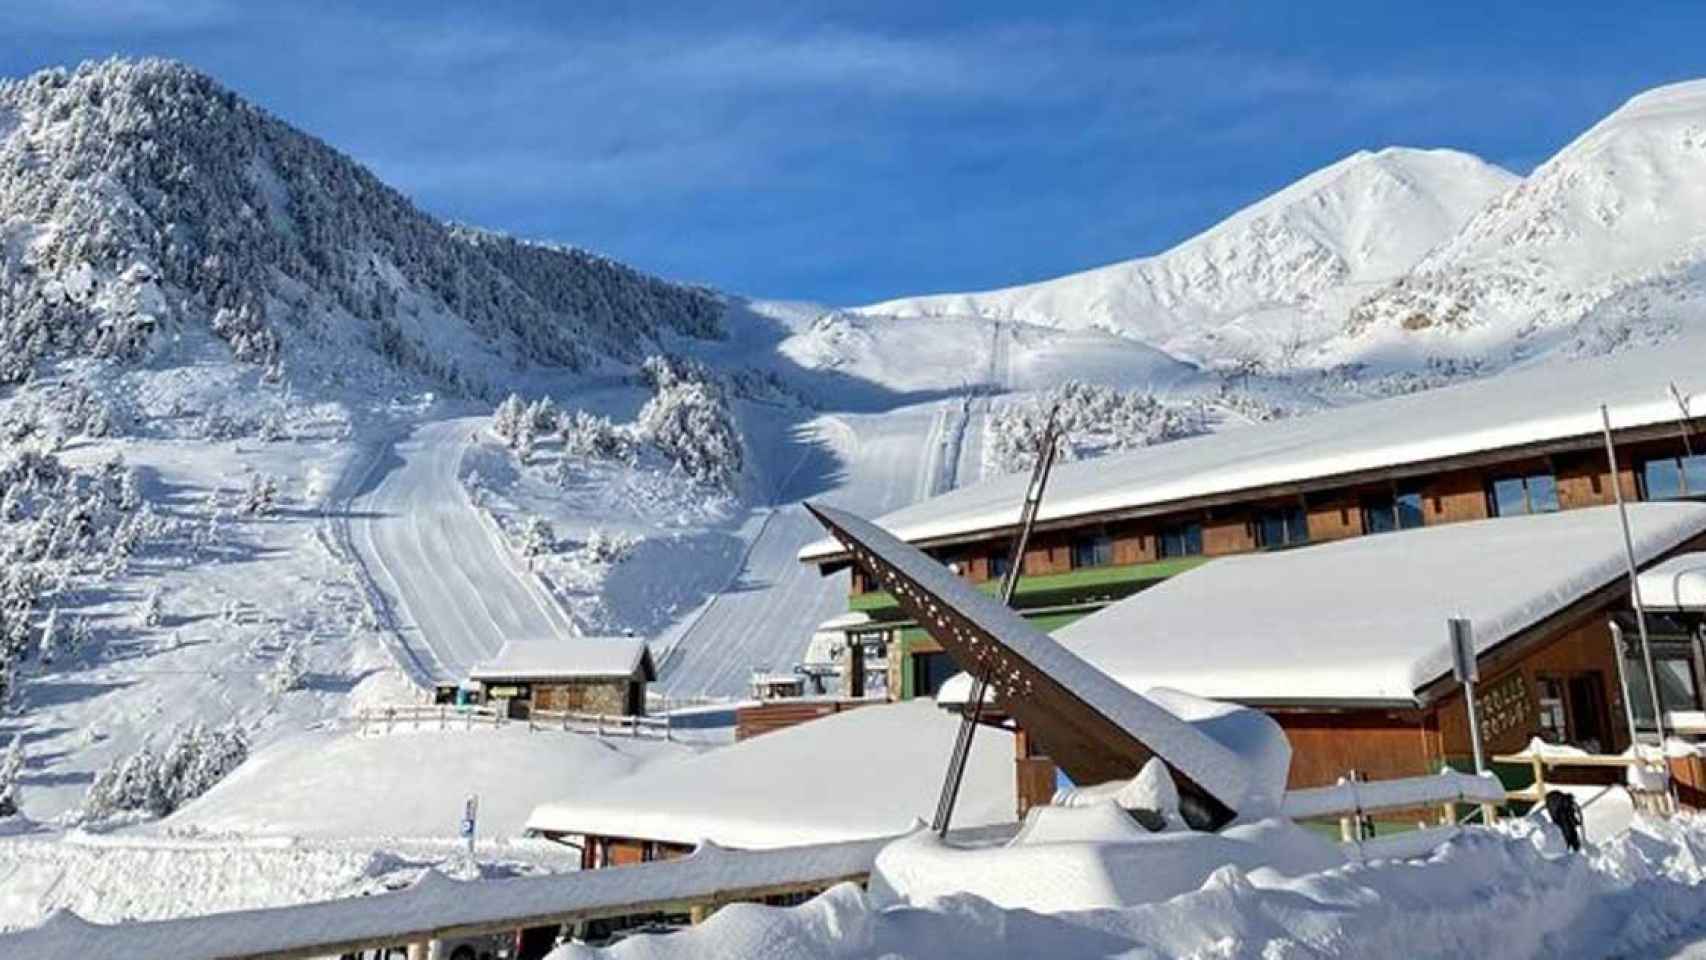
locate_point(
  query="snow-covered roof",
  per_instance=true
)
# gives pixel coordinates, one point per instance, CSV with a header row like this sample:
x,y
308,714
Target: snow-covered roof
x,y
1676,584
1545,403
567,659
868,772
1364,619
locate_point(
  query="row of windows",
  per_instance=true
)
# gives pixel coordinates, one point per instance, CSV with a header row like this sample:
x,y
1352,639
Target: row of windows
x,y
1663,478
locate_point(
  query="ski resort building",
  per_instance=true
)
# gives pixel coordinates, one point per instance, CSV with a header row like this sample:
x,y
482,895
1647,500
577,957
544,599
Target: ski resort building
x,y
1346,644
1522,444
602,675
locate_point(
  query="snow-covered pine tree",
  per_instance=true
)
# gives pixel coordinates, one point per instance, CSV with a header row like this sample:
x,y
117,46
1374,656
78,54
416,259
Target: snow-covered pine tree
x,y
152,610
289,671
537,537
542,416
261,496
51,639
510,418
11,775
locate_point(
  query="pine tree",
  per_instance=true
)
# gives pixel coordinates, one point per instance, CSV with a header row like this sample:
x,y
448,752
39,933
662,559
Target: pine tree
x,y
509,418
11,773
152,610
537,537
50,641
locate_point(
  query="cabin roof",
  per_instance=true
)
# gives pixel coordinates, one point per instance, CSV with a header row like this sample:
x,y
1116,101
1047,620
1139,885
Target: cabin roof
x,y
861,773
575,658
1542,404
1363,619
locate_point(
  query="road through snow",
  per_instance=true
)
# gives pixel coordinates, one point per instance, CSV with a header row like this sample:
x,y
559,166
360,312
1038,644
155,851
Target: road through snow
x,y
456,597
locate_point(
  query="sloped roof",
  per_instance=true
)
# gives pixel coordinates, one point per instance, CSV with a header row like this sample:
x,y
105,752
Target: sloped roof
x,y
567,659
1677,584
869,772
1364,619
1545,403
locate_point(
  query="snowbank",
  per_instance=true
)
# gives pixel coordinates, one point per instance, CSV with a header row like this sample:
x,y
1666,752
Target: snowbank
x,y
1069,859
869,772
410,783
1513,888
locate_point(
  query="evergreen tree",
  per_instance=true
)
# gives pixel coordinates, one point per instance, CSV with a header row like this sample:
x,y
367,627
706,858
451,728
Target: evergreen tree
x,y
51,639
11,773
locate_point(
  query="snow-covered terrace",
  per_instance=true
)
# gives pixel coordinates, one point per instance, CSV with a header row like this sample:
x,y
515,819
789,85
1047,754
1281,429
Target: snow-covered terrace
x,y
571,659
1363,619
1537,406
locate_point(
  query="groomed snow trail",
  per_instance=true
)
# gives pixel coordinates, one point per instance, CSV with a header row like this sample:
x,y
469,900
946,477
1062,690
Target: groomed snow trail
x,y
766,616
455,594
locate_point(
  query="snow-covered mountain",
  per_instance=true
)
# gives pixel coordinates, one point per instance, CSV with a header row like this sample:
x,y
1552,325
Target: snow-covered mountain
x,y
1604,242
142,198
1271,278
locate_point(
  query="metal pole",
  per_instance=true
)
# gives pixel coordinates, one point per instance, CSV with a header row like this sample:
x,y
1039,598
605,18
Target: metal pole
x,y
1474,726
1682,423
972,713
1623,678
1634,580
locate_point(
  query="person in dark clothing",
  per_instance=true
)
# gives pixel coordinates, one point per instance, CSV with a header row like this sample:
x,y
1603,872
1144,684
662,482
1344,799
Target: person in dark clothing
x,y
1567,814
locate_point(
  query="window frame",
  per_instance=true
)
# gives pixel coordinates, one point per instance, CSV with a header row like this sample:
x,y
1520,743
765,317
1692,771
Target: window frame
x,y
1189,534
1286,516
1527,483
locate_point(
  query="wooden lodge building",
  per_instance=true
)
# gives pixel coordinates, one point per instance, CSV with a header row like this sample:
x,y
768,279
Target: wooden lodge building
x,y
1507,460
597,675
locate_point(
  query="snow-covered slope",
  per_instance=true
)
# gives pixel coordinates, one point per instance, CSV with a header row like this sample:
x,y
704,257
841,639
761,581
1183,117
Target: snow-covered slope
x,y
1612,229
138,198
1267,277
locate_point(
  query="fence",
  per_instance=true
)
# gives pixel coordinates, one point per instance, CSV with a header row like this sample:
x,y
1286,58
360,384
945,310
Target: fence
x,y
438,908
447,717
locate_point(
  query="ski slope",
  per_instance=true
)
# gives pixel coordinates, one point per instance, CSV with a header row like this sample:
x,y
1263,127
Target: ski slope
x,y
765,616
454,595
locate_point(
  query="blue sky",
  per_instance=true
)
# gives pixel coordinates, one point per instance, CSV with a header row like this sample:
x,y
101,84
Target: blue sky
x,y
851,152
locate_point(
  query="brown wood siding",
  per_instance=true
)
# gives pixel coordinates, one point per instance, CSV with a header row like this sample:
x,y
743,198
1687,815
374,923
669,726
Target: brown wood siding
x,y
761,718
1454,497
1335,519
1230,534
1132,544
608,697
1048,555
1584,648
1383,745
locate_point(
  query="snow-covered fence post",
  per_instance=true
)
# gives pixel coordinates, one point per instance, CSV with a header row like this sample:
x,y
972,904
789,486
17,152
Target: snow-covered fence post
x,y
390,718
443,716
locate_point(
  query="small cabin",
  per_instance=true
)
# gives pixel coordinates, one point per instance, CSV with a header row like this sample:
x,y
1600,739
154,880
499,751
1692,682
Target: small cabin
x,y
602,675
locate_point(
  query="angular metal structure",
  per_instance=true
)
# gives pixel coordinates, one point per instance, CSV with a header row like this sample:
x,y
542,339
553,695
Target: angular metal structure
x,y
1093,728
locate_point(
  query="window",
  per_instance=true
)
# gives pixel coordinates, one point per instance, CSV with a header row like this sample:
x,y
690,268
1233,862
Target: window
x,y
1181,540
1285,527
1516,496
1669,478
930,671
1678,689
1092,550
999,564
1384,514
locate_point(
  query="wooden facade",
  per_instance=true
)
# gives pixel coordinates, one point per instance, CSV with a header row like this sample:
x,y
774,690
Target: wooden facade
x,y
1451,490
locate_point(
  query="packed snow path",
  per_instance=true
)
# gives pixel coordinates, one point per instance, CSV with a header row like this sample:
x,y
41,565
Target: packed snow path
x,y
455,595
766,615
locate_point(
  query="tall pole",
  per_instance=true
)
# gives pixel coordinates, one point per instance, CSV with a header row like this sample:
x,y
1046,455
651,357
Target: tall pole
x,y
972,713
1634,581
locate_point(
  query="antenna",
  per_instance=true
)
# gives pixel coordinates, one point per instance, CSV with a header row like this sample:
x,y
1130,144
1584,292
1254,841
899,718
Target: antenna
x,y
1684,418
972,713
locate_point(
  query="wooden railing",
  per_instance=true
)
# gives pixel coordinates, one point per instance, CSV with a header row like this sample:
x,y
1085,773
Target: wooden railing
x,y
1651,801
448,717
